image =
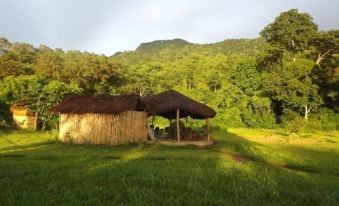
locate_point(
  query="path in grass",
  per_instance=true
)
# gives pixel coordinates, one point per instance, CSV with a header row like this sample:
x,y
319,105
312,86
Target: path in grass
x,y
35,170
278,149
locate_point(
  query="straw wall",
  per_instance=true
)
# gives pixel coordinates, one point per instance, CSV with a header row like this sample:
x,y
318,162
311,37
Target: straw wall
x,y
25,122
23,119
111,129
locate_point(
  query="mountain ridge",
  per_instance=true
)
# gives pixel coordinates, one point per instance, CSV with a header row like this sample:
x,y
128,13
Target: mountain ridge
x,y
227,46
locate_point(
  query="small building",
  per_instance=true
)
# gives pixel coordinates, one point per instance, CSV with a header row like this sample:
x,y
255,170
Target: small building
x,y
173,105
22,116
102,120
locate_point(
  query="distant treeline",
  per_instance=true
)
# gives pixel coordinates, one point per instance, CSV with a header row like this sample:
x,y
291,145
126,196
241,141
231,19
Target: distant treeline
x,y
288,77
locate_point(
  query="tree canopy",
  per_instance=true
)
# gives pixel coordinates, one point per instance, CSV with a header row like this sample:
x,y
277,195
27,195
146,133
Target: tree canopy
x,y
290,71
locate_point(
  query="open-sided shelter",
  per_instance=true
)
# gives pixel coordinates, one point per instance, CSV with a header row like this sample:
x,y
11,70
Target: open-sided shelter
x,y
173,105
23,117
101,120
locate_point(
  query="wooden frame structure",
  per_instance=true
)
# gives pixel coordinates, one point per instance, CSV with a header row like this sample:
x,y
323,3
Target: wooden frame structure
x,y
171,104
178,126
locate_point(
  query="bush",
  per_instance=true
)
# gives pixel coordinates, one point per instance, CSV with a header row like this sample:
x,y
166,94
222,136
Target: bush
x,y
5,116
292,121
296,126
324,120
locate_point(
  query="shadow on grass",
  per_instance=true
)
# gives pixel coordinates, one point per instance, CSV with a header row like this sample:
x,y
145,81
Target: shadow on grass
x,y
27,147
242,151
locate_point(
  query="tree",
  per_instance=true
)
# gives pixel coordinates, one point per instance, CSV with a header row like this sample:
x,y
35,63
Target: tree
x,y
292,85
21,87
290,31
17,60
5,45
246,76
41,95
325,44
48,63
48,96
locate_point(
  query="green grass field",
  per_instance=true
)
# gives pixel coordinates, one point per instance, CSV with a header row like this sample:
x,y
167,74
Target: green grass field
x,y
244,167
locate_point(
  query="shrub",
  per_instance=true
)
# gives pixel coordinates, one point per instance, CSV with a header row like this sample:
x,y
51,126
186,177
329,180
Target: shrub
x,y
325,120
296,126
5,116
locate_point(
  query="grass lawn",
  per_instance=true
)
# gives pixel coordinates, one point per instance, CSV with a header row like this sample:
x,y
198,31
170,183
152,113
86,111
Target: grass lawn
x,y
244,167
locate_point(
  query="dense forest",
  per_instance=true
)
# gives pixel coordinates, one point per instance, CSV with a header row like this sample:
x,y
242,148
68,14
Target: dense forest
x,y
288,77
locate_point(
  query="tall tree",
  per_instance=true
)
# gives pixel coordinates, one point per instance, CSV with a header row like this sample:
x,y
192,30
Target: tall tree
x,y
290,31
292,85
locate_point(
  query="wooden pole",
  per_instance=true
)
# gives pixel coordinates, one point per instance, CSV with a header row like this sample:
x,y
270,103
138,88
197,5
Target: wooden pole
x,y
153,117
35,121
178,127
208,130
186,121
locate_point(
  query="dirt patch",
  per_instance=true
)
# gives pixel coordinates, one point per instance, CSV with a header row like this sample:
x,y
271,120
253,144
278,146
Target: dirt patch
x,y
241,158
238,157
202,143
296,168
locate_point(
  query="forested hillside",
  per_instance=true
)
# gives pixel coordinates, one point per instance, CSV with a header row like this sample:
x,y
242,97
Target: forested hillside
x,y
158,45
287,77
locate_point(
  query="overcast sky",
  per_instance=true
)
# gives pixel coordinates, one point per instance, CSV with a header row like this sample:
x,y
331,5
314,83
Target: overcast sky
x,y
108,26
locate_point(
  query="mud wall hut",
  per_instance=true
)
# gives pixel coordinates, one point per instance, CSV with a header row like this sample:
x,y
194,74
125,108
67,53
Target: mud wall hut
x,y
101,120
22,116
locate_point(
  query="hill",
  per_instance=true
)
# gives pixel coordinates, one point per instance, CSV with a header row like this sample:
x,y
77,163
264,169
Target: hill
x,y
158,45
251,47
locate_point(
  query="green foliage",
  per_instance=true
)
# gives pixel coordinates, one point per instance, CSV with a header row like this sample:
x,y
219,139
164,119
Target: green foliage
x,y
50,95
5,115
259,113
159,45
41,95
291,84
325,45
296,125
249,82
325,120
14,88
291,30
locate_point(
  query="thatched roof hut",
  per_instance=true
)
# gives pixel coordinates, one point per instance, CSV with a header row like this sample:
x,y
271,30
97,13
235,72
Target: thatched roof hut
x,y
98,104
23,117
173,105
167,103
101,119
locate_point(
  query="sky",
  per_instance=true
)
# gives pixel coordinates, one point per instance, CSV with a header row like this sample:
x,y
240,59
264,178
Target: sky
x,y
108,26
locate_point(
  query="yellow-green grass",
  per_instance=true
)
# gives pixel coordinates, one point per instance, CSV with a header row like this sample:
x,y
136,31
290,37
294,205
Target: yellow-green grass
x,y
244,167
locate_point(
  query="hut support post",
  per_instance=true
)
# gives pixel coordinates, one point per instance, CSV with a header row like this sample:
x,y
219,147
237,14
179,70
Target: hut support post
x,y
35,121
208,130
153,117
178,126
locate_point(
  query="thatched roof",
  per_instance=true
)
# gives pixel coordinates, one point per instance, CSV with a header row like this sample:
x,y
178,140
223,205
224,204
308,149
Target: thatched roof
x,y
21,104
98,104
166,104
